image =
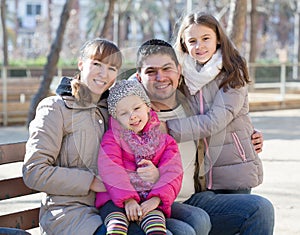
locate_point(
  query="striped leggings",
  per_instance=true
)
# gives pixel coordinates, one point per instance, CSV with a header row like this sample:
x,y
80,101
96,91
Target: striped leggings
x,y
117,223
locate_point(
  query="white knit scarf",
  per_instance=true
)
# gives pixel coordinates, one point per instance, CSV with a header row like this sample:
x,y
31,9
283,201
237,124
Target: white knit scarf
x,y
196,80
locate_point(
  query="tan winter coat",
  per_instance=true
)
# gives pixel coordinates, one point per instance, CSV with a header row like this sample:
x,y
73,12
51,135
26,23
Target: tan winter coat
x,y
61,160
232,162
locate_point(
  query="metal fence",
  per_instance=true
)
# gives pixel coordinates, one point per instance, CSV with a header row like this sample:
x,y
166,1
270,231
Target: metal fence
x,y
264,76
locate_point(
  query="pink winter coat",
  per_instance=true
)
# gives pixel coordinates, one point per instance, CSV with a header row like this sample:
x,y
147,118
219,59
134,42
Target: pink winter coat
x,y
117,159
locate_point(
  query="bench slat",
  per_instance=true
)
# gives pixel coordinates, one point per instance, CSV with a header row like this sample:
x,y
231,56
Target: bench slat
x,y
24,220
10,153
14,187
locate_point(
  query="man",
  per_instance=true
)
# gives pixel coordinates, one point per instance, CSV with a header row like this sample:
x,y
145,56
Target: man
x,y
160,73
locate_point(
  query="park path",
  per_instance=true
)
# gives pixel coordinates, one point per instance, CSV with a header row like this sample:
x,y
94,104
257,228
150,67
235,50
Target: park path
x,y
280,156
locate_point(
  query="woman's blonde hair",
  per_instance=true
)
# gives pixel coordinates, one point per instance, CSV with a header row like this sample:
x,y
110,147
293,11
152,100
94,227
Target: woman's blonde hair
x,y
96,49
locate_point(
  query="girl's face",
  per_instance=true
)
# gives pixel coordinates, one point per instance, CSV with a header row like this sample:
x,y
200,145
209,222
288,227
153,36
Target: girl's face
x,y
201,42
132,113
97,76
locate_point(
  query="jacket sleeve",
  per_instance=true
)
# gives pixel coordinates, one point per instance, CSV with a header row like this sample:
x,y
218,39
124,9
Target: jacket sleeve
x,y
169,183
224,109
40,171
113,172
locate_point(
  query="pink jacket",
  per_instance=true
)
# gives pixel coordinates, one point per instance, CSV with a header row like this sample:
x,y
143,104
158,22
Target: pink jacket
x,y
116,161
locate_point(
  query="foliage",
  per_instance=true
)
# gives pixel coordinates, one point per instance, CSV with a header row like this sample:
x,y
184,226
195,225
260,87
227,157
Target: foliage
x,y
41,61
139,20
95,16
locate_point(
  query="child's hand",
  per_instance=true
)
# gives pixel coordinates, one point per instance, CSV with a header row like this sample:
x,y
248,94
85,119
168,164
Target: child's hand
x,y
149,205
133,210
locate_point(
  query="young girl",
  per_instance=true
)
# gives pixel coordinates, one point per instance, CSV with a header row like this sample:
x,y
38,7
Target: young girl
x,y
134,137
216,79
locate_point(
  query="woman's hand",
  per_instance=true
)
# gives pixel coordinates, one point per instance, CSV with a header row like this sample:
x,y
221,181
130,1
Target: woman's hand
x,y
133,210
97,185
257,140
149,205
148,171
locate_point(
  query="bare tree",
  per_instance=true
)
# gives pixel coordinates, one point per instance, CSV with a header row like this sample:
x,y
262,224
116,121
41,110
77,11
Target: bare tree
x,y
123,22
16,23
4,33
239,19
108,21
52,59
253,39
49,31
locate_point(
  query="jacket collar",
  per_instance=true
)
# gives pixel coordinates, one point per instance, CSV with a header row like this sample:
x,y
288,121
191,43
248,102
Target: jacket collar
x,y
64,90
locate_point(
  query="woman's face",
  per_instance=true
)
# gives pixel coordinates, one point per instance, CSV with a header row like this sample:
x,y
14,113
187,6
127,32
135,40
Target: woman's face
x,y
96,75
201,42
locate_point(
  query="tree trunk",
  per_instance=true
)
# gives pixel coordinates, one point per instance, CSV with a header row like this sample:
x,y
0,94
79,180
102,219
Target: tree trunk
x,y
52,59
253,40
4,32
253,32
16,23
49,23
239,21
108,21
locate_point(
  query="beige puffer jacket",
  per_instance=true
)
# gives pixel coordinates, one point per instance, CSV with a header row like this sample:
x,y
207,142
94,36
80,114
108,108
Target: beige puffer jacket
x,y
61,160
230,161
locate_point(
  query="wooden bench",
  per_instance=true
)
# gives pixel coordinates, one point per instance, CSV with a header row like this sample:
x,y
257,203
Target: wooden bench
x,y
18,97
13,188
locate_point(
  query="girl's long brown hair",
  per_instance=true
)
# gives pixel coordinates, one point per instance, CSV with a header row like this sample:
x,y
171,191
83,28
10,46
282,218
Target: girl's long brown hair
x,y
234,73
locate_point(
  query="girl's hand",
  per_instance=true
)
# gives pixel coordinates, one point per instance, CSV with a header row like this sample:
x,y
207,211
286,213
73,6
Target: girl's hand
x,y
148,171
149,205
97,185
257,140
133,210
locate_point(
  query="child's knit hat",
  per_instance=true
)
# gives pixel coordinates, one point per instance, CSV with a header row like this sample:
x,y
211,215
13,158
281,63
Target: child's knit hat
x,y
122,89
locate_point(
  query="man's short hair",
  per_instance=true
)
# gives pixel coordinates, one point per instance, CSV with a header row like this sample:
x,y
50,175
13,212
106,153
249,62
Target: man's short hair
x,y
154,47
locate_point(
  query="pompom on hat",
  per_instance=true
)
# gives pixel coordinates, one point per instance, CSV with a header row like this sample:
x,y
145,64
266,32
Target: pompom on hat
x,y
122,89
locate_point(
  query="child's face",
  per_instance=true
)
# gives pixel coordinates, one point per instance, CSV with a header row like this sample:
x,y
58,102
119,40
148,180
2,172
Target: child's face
x,y
96,75
132,113
201,42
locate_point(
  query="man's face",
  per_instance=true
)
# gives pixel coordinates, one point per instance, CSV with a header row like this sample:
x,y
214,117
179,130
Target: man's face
x,y
159,75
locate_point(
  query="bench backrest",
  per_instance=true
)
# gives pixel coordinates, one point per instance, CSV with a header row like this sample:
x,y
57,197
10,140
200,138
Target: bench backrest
x,y
15,187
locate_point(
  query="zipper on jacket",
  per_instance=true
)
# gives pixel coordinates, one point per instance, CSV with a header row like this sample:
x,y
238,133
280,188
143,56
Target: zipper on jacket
x,y
210,180
239,146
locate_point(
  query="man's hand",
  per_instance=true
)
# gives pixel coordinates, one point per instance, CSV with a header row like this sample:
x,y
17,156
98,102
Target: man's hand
x,y
148,171
257,140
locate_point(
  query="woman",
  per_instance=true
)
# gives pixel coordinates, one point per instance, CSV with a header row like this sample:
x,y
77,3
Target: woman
x,y
64,137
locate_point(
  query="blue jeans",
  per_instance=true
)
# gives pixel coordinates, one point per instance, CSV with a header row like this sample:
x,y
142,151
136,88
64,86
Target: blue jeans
x,y
186,219
246,214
